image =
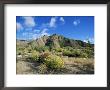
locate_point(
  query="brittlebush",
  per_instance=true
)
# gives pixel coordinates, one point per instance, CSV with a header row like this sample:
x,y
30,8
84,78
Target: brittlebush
x,y
54,62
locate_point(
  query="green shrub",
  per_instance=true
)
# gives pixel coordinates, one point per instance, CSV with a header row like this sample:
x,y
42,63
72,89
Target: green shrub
x,y
43,56
54,62
40,49
67,53
25,51
34,56
59,49
76,53
84,55
42,69
89,52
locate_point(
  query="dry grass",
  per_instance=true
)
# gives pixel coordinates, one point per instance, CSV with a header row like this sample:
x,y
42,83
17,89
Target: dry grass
x,y
78,60
83,65
72,66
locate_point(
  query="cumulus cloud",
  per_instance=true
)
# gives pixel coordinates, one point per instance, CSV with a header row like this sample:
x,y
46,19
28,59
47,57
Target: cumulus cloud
x,y
29,21
19,26
91,40
62,20
44,32
50,24
76,22
85,41
40,34
35,36
30,35
53,22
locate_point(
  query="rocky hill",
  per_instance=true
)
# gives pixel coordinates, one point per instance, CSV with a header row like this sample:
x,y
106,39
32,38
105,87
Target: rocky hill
x,y
54,41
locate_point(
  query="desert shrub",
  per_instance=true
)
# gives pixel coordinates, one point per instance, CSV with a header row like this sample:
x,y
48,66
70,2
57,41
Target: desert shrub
x,y
51,61
20,48
29,50
89,52
67,53
62,43
71,54
68,48
40,49
43,56
24,52
54,62
58,54
42,69
84,55
58,49
76,53
34,56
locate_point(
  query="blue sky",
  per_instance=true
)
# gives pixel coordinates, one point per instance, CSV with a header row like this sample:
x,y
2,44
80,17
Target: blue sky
x,y
75,27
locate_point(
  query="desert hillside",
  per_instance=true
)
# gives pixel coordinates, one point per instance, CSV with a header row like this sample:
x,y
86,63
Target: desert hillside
x,y
54,54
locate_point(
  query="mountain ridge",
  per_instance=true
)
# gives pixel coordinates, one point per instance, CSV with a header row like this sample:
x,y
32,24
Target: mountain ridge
x,y
56,41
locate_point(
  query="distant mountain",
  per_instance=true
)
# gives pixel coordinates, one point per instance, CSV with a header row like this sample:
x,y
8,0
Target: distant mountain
x,y
54,41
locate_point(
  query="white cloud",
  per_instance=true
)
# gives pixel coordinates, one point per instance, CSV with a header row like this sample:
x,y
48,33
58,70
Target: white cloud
x,y
44,32
35,36
91,40
29,35
62,19
40,34
53,22
50,24
85,41
76,22
29,21
19,26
